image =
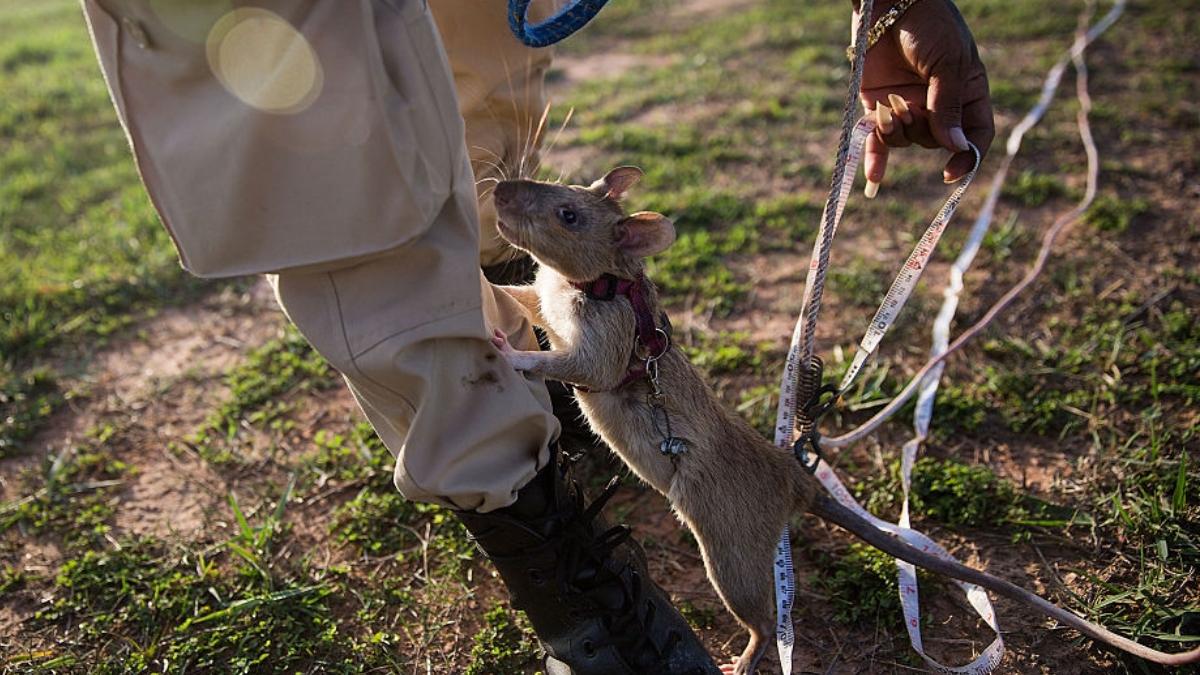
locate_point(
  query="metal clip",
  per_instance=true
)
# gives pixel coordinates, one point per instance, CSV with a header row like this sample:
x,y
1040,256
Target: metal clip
x,y
671,445
818,399
801,449
814,409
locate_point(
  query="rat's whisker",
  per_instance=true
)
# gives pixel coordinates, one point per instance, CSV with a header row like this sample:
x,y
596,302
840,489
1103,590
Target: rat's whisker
x,y
488,150
529,138
561,128
513,101
498,167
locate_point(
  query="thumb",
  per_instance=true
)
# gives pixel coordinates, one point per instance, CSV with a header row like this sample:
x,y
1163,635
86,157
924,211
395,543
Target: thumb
x,y
945,106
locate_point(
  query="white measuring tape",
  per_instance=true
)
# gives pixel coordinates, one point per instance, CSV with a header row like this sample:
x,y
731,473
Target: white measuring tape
x,y
906,280
1054,77
899,292
801,348
901,288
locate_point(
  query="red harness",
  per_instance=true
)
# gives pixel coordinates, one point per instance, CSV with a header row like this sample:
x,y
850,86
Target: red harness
x,y
653,339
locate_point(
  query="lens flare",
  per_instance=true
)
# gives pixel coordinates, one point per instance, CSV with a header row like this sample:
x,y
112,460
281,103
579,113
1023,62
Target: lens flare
x,y
264,61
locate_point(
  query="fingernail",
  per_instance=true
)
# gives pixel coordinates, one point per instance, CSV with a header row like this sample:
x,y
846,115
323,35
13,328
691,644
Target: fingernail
x,y
901,107
871,190
959,139
951,181
883,115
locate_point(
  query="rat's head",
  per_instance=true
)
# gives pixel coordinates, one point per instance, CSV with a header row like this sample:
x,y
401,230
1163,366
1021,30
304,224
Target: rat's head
x,y
581,232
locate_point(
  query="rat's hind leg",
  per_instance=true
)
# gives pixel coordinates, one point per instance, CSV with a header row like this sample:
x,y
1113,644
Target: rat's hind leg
x,y
742,576
748,661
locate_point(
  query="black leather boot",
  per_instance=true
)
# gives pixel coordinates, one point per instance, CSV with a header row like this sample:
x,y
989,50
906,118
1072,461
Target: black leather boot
x,y
584,584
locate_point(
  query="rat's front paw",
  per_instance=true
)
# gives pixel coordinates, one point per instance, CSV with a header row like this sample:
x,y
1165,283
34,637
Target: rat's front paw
x,y
501,341
514,358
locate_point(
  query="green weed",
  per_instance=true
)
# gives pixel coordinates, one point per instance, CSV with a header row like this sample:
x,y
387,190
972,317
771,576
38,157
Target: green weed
x,y
860,583
1110,213
795,217
26,400
1032,189
178,610
260,393
859,281
503,646
759,406
693,268
73,497
378,520
725,353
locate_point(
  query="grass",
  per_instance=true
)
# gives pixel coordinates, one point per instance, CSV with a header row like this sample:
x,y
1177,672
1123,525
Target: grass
x,y
83,257
27,398
75,497
860,584
1032,189
259,393
1110,213
502,647
308,560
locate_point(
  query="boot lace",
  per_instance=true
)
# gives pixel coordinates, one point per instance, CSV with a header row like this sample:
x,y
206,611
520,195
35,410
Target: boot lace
x,y
584,575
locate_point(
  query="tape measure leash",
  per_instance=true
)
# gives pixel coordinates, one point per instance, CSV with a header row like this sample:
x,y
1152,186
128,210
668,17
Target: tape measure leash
x,y
907,278
909,594
923,412
800,351
785,593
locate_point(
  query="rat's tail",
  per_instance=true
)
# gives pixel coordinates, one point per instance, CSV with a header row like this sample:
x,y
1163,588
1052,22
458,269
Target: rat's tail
x,y
831,510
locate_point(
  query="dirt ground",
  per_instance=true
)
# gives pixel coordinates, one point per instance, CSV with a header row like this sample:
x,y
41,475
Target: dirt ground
x,y
156,383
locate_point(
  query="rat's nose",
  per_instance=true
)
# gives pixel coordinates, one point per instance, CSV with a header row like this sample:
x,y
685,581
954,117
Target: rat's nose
x,y
505,193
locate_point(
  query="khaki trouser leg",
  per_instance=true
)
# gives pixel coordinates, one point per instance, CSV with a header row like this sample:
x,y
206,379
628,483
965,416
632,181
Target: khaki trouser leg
x,y
466,429
363,194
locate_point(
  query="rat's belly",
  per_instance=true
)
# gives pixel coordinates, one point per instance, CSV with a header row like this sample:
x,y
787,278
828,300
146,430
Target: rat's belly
x,y
624,424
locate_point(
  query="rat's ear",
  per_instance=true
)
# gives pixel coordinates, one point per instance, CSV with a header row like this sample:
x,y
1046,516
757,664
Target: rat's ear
x,y
645,233
616,182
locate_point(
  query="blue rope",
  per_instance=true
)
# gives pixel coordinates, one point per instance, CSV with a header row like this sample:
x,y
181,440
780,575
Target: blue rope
x,y
567,20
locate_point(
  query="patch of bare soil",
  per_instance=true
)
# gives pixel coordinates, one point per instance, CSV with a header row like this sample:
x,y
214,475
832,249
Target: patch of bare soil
x,y
152,387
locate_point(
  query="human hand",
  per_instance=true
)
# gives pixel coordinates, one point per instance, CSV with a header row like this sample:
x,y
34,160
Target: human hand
x,y
924,80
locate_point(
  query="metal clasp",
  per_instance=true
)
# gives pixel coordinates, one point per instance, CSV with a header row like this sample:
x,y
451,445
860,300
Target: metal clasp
x,y
821,399
806,445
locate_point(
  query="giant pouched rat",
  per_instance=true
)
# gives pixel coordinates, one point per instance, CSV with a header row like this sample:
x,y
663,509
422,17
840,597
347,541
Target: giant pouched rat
x,y
729,485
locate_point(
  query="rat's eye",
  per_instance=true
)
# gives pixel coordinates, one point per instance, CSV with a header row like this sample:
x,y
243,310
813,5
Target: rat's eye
x,y
568,216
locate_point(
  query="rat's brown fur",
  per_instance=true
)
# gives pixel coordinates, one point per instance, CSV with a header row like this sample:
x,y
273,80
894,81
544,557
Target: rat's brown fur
x,y
732,488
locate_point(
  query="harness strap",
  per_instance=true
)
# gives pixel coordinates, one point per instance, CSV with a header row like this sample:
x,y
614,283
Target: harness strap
x,y
653,338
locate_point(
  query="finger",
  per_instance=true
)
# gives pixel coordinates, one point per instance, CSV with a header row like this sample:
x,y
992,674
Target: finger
x,y
883,119
980,123
919,131
959,165
945,105
874,164
980,128
900,107
899,136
